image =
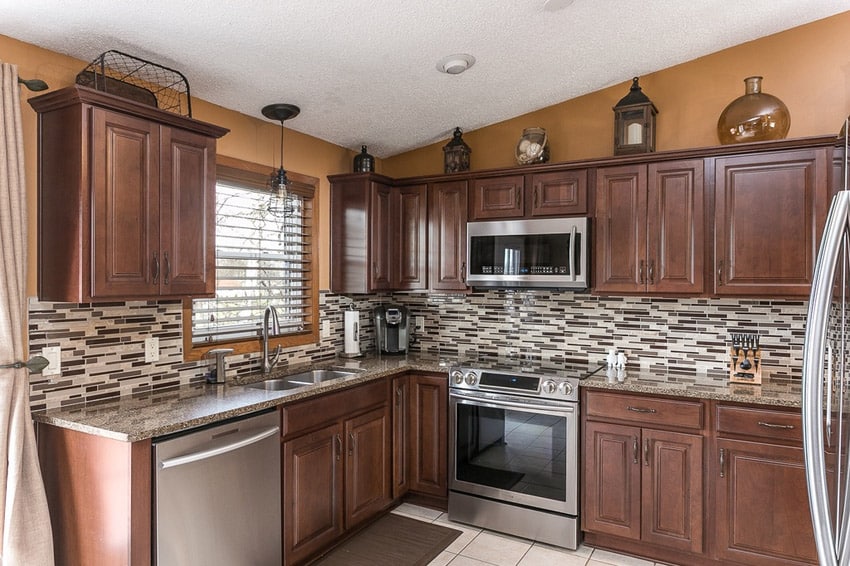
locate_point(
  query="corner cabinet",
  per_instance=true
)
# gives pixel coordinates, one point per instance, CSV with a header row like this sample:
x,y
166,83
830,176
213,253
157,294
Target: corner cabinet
x,y
649,228
770,210
378,234
126,199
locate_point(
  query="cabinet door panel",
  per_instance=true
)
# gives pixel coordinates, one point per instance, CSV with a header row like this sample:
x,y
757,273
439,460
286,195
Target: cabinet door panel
x,y
672,513
381,230
411,269
769,214
312,493
125,205
498,197
612,492
675,227
188,213
429,450
368,466
559,193
621,229
447,208
762,505
401,435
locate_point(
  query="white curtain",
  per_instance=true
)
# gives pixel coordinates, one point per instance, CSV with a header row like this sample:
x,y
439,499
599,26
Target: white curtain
x,y
26,535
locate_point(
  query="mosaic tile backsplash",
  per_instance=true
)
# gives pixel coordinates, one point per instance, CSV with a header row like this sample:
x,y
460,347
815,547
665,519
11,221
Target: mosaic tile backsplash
x,y
103,344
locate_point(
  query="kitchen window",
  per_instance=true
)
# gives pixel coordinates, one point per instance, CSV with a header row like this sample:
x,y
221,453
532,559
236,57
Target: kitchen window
x,y
261,259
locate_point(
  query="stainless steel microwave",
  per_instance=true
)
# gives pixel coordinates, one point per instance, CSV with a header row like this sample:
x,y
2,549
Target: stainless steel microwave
x,y
545,252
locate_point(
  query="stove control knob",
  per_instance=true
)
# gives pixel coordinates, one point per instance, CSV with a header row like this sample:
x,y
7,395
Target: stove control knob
x,y
471,378
565,388
457,377
548,387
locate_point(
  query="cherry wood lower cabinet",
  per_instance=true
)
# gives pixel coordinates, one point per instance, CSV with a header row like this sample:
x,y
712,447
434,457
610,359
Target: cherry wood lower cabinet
x,y
420,438
97,488
762,505
337,469
659,483
642,483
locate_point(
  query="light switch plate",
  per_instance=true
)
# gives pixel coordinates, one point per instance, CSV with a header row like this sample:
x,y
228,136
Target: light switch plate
x,y
151,349
326,329
53,354
420,324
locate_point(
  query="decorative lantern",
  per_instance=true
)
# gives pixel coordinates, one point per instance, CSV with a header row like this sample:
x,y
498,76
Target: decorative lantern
x,y
363,161
456,154
634,122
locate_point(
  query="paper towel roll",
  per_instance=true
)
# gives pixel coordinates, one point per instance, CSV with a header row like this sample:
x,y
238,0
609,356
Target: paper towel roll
x,y
352,333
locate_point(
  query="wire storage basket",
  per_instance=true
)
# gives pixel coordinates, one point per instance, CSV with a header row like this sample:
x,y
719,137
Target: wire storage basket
x,y
139,80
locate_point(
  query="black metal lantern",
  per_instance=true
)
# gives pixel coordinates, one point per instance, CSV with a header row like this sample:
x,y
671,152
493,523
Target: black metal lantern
x,y
456,154
634,122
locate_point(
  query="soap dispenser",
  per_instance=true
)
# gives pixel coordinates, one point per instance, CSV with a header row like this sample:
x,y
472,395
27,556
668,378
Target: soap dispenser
x,y
218,374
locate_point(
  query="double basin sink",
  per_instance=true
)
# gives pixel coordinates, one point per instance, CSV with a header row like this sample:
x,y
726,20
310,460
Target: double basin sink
x,y
302,379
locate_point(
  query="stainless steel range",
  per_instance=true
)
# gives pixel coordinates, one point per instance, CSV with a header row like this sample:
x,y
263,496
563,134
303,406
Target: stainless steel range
x,y
513,459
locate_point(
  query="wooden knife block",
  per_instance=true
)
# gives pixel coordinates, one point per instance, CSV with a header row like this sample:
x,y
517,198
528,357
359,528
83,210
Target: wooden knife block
x,y
751,372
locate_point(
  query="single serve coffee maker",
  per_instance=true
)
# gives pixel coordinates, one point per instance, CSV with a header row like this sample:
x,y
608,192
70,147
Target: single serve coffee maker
x,y
392,329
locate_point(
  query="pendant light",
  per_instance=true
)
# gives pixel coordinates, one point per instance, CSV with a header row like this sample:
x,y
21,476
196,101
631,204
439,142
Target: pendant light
x,y
280,203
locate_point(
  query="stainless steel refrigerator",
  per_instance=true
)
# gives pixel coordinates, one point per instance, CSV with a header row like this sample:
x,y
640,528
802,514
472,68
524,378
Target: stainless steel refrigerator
x,y
826,380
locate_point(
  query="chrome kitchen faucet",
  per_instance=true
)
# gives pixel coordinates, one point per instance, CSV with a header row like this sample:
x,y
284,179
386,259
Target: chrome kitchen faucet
x,y
268,365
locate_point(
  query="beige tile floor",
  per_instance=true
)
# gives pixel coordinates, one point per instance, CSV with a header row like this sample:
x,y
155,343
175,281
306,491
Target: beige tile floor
x,y
478,547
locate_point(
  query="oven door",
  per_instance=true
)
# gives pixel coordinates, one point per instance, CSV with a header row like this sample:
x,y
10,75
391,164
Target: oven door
x,y
514,450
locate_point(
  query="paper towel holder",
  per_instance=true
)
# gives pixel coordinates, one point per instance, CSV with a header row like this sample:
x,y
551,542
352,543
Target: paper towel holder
x,y
351,348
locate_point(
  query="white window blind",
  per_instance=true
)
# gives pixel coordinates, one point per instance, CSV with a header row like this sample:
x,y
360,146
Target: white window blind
x,y
261,259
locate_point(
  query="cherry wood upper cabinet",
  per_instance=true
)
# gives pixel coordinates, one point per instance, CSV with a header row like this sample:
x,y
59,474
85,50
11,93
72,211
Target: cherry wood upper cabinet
x,y
126,199
770,209
378,234
447,235
650,228
555,193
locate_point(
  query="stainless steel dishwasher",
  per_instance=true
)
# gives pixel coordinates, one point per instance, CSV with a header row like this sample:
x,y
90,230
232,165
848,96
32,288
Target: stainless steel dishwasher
x,y
217,495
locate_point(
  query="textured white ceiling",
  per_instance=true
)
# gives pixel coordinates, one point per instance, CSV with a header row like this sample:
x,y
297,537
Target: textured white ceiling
x,y
363,71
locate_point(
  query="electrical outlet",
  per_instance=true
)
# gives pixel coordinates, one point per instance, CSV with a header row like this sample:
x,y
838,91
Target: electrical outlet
x,y
420,324
152,349
53,355
326,329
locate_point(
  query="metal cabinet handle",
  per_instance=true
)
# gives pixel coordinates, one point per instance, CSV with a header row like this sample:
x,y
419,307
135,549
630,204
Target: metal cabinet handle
x,y
155,267
652,272
398,396
646,452
634,450
351,443
773,425
167,268
338,442
518,199
720,273
463,272
641,280
640,409
722,462
536,191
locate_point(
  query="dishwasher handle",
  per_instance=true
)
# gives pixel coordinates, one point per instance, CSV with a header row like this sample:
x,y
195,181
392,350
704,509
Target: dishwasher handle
x,y
246,440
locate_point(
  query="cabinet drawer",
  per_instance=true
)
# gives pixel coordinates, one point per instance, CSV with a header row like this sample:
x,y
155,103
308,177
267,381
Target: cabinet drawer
x,y
645,410
764,423
306,415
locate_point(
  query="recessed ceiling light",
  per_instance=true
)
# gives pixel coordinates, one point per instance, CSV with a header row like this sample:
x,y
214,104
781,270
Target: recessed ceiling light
x,y
555,5
455,64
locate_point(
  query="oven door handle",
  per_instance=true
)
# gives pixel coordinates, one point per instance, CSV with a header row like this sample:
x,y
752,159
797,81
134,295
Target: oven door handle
x,y
514,403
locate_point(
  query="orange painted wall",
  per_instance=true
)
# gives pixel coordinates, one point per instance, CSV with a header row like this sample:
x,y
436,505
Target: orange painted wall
x,y
807,67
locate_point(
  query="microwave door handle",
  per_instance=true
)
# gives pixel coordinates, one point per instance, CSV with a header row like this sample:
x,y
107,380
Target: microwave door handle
x,y
573,253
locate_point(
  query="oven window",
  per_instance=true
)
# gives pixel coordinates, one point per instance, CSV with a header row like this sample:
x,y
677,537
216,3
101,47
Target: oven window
x,y
512,450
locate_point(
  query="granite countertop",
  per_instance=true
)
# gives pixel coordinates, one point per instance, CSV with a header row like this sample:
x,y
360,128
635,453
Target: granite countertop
x,y
158,413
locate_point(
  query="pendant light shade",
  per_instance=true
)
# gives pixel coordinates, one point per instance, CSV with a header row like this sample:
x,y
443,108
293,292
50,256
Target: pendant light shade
x,y
280,202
